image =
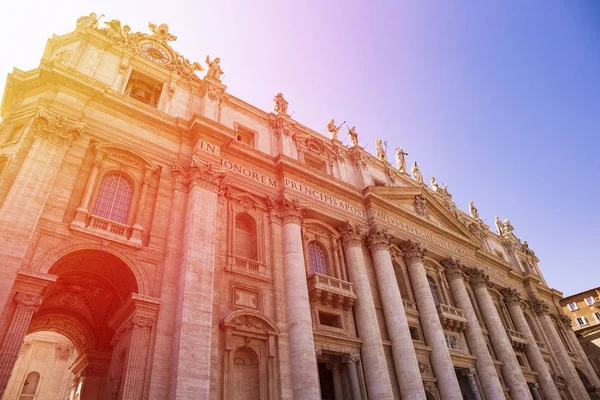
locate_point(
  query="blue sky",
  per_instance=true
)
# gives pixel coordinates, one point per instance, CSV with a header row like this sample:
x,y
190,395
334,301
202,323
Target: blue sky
x,y
500,100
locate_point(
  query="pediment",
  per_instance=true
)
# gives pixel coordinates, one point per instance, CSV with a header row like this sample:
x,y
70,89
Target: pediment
x,y
246,200
430,209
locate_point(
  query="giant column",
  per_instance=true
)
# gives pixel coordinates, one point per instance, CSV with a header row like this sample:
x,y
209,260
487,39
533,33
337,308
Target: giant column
x,y
373,356
534,355
430,322
23,205
511,369
405,358
591,372
192,340
492,388
305,375
541,308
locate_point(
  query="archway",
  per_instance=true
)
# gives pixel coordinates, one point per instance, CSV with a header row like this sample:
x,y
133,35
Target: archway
x,y
95,304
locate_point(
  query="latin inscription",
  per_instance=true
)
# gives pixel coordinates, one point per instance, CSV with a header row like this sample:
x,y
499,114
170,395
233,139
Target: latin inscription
x,y
248,173
209,147
325,198
422,234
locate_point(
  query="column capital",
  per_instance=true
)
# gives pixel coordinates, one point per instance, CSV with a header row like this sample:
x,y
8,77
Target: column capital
x,y
453,269
28,300
350,358
56,128
142,322
289,210
199,173
511,295
538,306
478,278
565,320
413,251
379,238
351,234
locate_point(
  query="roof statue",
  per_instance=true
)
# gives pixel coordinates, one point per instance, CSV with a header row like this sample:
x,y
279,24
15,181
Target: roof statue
x,y
353,136
161,33
88,21
503,227
333,129
381,153
400,160
473,211
214,68
416,174
434,185
281,104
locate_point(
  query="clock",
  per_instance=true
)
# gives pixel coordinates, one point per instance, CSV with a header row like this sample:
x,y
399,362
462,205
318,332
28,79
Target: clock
x,y
155,53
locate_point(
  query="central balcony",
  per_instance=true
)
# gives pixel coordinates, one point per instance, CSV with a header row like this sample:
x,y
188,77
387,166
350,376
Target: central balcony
x,y
518,341
452,318
246,266
330,292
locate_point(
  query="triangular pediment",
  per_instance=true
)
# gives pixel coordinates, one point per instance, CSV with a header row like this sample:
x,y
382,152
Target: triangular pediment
x,y
429,208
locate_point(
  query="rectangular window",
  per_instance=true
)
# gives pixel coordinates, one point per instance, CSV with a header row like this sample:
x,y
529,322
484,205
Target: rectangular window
x,y
572,306
590,300
144,89
414,333
581,321
328,319
597,316
244,135
316,163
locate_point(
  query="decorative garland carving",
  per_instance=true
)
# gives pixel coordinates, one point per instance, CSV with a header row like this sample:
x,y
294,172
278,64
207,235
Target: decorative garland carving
x,y
28,300
453,269
351,235
56,128
290,210
413,251
478,278
379,238
565,320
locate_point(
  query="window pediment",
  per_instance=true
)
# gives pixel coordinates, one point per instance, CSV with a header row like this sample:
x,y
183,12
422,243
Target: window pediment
x,y
126,156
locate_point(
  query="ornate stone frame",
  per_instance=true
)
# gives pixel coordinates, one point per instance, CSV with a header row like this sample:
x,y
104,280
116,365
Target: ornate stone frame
x,y
256,329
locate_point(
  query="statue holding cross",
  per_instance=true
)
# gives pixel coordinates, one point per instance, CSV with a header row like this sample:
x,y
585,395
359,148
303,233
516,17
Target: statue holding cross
x,y
400,160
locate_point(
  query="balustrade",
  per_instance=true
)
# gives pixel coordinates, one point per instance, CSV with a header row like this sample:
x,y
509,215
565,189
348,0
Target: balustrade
x,y
517,340
452,318
330,291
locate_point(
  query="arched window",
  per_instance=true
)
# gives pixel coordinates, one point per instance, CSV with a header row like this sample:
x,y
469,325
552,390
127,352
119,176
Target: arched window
x,y
31,383
400,278
317,258
433,288
114,198
245,237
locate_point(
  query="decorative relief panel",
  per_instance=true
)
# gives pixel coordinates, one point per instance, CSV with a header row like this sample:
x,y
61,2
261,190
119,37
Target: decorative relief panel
x,y
245,297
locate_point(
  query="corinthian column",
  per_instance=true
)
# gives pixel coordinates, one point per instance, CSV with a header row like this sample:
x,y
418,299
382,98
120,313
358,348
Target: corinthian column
x,y
430,322
137,357
193,335
305,376
492,388
405,358
373,356
511,370
27,304
534,355
540,308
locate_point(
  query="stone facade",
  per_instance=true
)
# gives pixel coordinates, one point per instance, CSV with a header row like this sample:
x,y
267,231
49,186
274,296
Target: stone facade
x,y
190,245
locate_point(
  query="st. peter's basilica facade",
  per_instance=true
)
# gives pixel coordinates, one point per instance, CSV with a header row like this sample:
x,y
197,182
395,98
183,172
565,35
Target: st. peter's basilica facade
x,y
162,239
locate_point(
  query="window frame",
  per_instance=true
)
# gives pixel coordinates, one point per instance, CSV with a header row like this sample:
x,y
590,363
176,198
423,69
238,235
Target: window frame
x,y
326,254
133,199
584,319
589,303
573,306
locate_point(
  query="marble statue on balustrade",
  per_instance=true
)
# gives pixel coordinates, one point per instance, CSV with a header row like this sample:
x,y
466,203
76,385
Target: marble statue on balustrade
x,y
434,185
416,174
353,136
400,159
503,227
473,211
214,68
333,129
88,21
381,153
281,104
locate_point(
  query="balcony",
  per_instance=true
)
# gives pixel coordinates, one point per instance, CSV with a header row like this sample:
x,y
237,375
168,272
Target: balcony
x,y
247,267
452,319
105,228
410,307
518,341
330,292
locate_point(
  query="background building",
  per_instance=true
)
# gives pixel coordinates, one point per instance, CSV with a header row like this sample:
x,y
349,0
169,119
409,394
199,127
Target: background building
x,y
584,310
190,245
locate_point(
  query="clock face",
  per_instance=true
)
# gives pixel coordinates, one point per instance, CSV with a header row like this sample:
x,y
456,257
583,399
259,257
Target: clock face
x,y
155,53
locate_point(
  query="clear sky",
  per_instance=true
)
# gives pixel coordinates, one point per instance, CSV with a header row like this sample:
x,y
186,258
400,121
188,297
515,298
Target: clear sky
x,y
500,100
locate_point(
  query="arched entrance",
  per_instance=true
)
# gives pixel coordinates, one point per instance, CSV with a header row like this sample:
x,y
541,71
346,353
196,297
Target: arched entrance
x,y
94,302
